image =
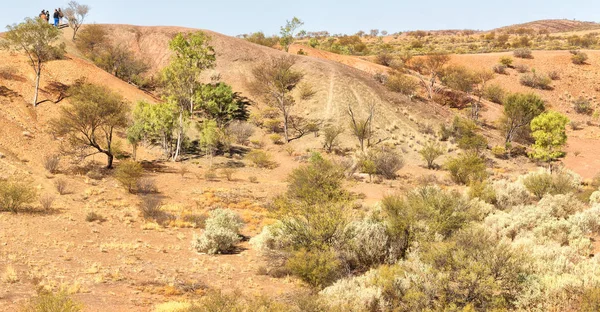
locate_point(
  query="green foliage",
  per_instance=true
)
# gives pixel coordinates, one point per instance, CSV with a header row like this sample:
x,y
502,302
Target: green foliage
x,y
129,173
368,166
91,119
219,102
317,268
122,63
51,302
464,131
288,31
548,130
590,300
260,38
14,195
544,182
221,233
482,190
519,110
37,39
466,168
331,137
459,78
154,123
506,61
495,93
402,83
92,39
261,159
430,152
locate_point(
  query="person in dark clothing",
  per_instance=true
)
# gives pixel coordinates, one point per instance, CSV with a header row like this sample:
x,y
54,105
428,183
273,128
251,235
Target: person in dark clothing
x,y
56,17
60,16
47,16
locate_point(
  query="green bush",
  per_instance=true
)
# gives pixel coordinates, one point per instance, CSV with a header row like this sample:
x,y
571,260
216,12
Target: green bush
x,y
129,173
51,302
15,195
544,182
536,81
466,168
221,233
261,159
482,190
331,137
495,93
506,61
430,152
403,84
317,268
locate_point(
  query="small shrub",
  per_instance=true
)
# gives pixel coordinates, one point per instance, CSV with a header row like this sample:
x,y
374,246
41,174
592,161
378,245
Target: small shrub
x,y
575,125
146,186
15,195
253,179
210,175
495,93
221,233
381,78
384,58
579,58
129,173
430,152
499,69
582,105
228,173
306,91
331,137
554,75
386,161
543,182
506,61
444,133
521,68
523,53
261,159
241,131
483,190
46,201
466,168
93,217
62,186
536,81
51,163
402,84
276,138
499,151
510,194
150,208
317,268
49,302
473,142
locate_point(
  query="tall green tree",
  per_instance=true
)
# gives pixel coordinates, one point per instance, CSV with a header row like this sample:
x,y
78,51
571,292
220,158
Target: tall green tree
x,y
154,124
37,39
519,110
91,120
220,103
288,31
549,132
191,55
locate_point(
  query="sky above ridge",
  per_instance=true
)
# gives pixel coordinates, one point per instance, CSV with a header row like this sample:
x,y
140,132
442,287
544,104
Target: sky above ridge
x,y
236,17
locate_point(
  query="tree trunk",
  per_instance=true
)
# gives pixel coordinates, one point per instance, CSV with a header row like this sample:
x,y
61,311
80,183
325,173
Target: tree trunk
x,y
109,160
37,87
134,151
179,135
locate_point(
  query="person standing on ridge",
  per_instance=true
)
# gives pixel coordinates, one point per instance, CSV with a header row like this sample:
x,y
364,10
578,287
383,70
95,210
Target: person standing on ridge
x,y
56,17
47,18
60,16
43,15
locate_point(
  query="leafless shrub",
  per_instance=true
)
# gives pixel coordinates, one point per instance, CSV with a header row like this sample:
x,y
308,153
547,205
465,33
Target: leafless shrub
x,y
146,186
92,216
51,163
62,186
241,131
46,201
150,208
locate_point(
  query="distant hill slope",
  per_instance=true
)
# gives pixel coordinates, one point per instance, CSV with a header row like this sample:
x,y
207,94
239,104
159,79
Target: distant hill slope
x,y
553,25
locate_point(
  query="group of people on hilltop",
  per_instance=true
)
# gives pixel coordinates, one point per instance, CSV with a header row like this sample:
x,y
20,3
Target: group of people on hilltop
x,y
58,16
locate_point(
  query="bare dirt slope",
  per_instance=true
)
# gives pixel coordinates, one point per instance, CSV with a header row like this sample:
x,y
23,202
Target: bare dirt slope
x,y
553,25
